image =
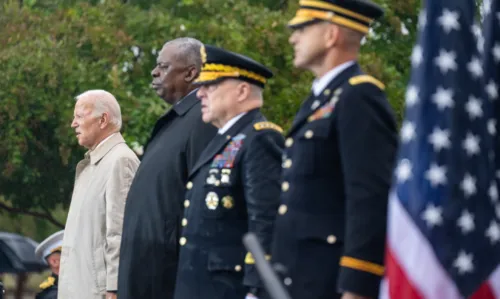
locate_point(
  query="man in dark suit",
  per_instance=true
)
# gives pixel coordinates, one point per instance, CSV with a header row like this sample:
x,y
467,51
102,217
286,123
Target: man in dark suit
x,y
50,251
338,160
234,186
149,248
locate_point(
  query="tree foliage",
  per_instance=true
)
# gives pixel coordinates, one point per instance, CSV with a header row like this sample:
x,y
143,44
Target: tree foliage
x,y
52,50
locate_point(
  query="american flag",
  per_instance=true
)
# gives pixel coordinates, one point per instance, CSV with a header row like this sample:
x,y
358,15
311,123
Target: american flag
x,y
444,211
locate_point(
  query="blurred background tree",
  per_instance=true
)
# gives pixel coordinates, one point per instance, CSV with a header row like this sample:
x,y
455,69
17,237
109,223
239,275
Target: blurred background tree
x,y
52,50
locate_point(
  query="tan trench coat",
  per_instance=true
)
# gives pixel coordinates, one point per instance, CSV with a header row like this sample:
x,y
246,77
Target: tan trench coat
x,y
90,253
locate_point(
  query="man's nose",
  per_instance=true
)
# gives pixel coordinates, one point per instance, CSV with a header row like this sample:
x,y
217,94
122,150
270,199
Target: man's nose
x,y
154,72
201,92
74,124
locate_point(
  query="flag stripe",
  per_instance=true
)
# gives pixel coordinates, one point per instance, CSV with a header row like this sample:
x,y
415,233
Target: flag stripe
x,y
484,292
495,282
416,256
399,286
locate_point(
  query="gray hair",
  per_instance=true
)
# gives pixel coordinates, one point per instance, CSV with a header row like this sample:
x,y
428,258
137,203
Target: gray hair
x,y
104,102
188,50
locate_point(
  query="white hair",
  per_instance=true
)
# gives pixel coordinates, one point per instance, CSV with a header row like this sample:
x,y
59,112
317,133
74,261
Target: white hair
x,y
104,102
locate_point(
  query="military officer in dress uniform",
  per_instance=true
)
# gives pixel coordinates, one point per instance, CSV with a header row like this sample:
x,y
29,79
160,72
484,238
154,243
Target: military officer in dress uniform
x,y
235,185
50,251
338,159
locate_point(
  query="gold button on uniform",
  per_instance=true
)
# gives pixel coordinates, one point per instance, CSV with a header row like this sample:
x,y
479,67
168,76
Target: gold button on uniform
x,y
285,186
184,222
289,142
189,185
331,239
287,163
186,203
237,268
309,134
326,92
282,210
182,241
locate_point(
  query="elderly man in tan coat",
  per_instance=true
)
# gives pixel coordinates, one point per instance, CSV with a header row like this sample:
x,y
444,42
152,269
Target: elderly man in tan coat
x,y
91,245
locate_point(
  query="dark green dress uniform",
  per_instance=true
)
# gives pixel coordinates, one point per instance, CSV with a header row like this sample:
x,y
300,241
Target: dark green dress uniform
x,y
233,189
331,224
48,288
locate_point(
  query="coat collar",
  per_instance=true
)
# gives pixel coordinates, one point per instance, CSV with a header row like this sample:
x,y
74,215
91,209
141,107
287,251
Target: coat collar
x,y
219,141
186,103
308,108
101,151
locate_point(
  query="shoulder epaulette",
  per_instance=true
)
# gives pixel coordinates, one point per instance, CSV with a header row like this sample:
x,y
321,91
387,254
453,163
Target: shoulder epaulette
x,y
47,283
267,125
366,79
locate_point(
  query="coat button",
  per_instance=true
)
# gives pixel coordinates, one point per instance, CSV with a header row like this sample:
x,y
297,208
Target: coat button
x,y
287,163
289,142
326,92
237,268
182,241
285,186
189,185
331,239
282,210
186,203
309,134
184,222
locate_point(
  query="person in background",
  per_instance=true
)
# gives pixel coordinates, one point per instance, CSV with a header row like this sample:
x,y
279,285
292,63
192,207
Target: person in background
x,y
50,251
149,252
338,161
91,244
234,187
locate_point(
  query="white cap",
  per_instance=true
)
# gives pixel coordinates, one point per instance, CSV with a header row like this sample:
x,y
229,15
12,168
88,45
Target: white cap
x,y
50,245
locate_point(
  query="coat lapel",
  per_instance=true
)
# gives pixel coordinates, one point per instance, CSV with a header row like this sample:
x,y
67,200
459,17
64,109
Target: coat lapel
x,y
309,106
177,110
219,141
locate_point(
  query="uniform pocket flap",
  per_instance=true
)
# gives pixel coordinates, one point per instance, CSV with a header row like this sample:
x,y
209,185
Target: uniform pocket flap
x,y
226,259
329,228
316,129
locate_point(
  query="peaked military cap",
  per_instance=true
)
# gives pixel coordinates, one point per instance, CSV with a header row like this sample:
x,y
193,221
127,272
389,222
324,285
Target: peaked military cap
x,y
50,245
219,64
354,14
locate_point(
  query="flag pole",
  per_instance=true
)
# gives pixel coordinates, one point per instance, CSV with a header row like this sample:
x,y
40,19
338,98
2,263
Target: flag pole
x,y
271,281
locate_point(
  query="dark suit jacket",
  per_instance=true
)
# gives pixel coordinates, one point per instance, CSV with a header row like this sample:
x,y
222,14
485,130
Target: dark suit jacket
x,y
337,166
149,248
233,189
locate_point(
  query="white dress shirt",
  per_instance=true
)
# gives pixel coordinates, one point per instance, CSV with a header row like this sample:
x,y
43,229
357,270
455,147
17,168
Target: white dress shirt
x,y
230,123
321,83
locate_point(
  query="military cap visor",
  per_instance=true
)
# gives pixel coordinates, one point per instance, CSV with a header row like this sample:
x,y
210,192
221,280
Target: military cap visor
x,y
50,245
354,14
220,64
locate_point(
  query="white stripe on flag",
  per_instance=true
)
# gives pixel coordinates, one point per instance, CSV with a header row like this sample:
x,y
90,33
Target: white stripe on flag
x,y
415,255
494,282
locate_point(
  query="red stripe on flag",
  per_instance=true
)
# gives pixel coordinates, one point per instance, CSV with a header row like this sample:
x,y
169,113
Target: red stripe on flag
x,y
399,286
484,292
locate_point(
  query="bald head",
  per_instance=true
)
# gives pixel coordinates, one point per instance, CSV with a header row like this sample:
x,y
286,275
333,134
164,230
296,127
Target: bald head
x,y
186,50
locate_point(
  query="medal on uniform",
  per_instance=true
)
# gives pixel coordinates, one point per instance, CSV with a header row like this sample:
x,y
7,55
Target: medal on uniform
x,y
212,179
227,202
212,200
225,176
315,104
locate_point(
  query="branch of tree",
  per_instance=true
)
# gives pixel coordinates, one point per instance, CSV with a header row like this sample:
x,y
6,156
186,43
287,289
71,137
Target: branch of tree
x,y
47,216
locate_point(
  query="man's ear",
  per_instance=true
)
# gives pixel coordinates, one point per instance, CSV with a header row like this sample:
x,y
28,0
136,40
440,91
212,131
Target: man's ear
x,y
191,74
244,90
332,35
104,120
